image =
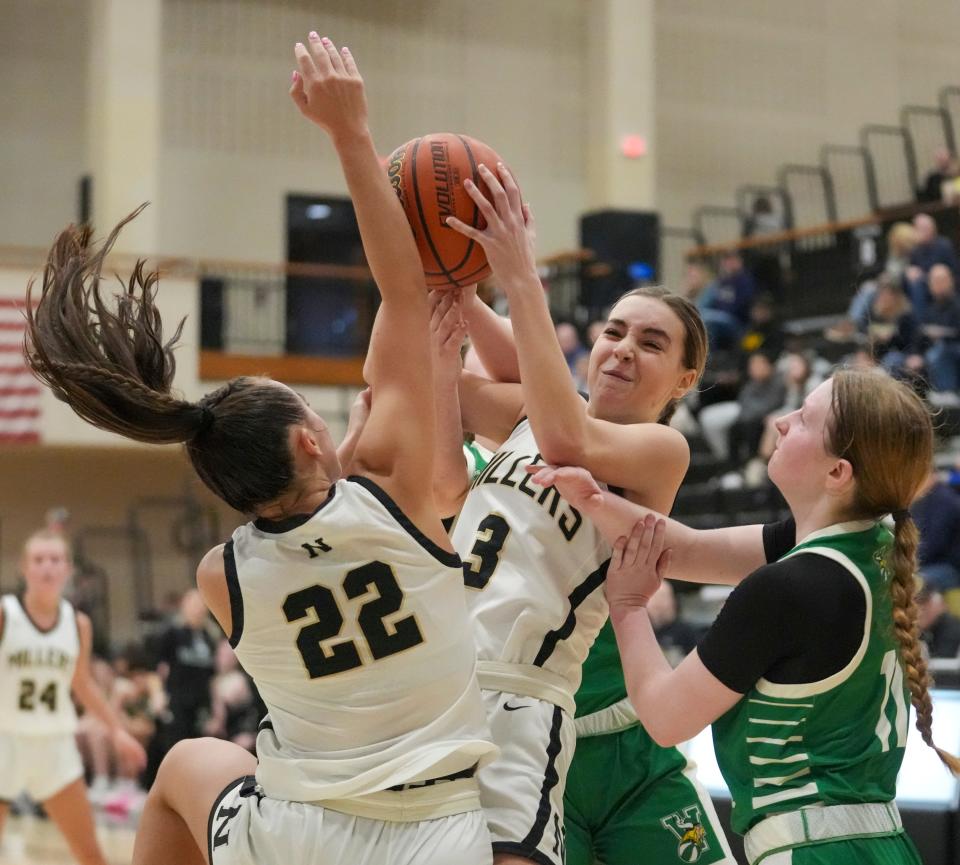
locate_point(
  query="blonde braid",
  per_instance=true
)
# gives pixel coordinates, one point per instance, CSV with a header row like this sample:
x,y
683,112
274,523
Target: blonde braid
x,y
903,561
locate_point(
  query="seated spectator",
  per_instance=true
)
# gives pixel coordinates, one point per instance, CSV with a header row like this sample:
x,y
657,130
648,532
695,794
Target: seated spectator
x,y
765,258
931,248
733,429
727,300
676,638
939,628
573,351
940,326
762,394
763,331
700,286
892,328
901,241
234,709
936,511
944,170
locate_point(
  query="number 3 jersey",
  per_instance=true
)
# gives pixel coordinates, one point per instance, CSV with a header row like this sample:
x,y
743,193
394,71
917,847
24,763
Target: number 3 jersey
x,y
534,570
353,625
36,672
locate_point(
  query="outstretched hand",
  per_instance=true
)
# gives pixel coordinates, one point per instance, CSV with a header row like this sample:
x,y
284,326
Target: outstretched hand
x,y
575,484
508,239
328,89
638,564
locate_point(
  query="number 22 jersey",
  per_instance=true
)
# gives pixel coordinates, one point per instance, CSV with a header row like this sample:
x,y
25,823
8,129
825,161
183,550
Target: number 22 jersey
x,y
353,625
534,569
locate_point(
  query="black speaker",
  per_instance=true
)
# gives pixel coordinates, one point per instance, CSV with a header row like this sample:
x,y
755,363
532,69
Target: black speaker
x,y
626,246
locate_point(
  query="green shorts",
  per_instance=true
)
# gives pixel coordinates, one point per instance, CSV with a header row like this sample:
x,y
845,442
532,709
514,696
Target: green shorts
x,y
890,850
628,800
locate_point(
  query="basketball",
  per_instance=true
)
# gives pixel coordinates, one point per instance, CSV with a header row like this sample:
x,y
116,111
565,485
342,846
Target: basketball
x,y
427,174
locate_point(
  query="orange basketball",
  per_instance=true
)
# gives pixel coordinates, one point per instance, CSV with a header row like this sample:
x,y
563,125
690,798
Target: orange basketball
x,y
428,175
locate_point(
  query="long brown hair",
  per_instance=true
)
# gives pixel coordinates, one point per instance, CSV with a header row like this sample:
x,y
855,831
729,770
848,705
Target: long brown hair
x,y
111,365
885,431
694,333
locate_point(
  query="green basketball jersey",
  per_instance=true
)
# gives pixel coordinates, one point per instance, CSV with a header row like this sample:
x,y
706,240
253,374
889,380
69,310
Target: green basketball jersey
x,y
602,684
837,741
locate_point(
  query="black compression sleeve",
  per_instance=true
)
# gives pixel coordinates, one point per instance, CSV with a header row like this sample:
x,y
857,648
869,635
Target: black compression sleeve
x,y
779,538
796,621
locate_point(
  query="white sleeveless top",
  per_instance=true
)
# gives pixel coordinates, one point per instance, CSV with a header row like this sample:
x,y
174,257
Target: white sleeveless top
x,y
354,627
36,672
534,569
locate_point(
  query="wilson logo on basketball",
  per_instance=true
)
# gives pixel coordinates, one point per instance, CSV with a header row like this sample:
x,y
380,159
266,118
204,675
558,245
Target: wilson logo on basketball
x,y
444,181
395,170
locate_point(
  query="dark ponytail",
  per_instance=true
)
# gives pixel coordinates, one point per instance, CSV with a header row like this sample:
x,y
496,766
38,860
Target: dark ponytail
x,y
110,364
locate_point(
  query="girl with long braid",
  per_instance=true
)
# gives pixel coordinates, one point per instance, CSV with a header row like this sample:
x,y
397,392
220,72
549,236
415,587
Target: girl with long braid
x,y
808,671
342,596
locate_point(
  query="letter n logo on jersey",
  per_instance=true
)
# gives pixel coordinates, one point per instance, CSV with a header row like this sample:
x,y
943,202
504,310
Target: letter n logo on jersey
x,y
689,832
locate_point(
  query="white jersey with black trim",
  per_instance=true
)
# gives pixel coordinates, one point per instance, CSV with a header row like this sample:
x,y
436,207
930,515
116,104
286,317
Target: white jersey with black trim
x,y
534,569
36,671
353,625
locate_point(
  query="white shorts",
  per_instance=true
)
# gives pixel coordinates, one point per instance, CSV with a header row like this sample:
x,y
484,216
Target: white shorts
x,y
247,828
40,766
522,790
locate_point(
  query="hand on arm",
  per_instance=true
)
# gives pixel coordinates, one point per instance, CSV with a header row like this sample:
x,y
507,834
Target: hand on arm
x,y
673,705
130,752
722,556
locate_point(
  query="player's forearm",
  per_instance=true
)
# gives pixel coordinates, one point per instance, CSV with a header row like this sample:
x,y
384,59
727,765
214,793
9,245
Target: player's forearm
x,y
646,672
553,405
450,481
492,337
387,239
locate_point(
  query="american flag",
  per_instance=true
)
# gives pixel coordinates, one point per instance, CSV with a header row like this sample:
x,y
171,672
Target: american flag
x,y
19,391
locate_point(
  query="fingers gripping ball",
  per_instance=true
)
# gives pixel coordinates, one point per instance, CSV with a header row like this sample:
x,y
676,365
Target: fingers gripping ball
x,y
427,174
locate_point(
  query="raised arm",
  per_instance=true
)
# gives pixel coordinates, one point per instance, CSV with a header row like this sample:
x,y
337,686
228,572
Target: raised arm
x,y
723,556
397,446
492,338
447,332
649,459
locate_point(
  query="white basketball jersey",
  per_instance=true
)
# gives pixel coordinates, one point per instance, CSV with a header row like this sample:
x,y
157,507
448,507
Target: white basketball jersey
x,y
533,565
36,672
354,627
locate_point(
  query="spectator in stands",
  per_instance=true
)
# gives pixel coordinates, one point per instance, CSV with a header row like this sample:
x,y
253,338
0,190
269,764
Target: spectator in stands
x,y
892,327
765,258
932,248
187,654
762,394
235,712
763,331
944,170
936,511
939,628
732,428
734,290
940,327
901,241
799,380
573,351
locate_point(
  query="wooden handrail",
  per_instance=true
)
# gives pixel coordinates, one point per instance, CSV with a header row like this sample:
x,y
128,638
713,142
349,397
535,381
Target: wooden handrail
x,y
904,212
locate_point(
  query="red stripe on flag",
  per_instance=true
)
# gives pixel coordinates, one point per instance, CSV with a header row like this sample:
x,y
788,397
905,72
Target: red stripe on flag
x,y
15,303
17,413
14,370
13,325
11,347
26,390
23,438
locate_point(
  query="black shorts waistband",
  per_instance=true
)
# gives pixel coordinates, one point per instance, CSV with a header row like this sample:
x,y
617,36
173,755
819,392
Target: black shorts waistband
x,y
416,785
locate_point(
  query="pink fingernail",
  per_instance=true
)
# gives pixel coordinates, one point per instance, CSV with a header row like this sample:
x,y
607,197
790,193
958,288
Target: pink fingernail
x,y
345,50
313,34
298,45
325,40
295,75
